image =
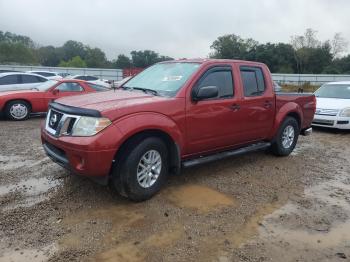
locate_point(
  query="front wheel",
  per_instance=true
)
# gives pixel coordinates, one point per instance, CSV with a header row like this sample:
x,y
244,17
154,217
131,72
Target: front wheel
x,y
286,138
17,110
143,169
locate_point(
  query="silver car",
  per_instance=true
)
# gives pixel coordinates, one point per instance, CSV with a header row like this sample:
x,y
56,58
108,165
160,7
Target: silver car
x,y
19,81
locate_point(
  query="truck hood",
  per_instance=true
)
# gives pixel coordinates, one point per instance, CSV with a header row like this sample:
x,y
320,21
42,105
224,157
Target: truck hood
x,y
111,100
332,103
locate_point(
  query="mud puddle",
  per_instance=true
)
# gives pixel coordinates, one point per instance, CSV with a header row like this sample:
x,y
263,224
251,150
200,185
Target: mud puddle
x,y
13,162
25,255
200,198
31,192
302,148
137,251
325,232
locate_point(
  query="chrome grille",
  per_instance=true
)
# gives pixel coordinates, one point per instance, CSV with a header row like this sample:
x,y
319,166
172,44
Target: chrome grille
x,y
326,112
58,123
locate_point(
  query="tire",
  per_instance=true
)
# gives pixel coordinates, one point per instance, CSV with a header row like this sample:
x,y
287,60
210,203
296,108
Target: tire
x,y
17,110
127,178
286,138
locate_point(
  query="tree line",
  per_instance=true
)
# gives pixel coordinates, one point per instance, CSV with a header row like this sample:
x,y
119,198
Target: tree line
x,y
18,49
303,54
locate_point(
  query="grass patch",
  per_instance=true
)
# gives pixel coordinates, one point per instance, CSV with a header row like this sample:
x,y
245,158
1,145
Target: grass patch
x,y
306,88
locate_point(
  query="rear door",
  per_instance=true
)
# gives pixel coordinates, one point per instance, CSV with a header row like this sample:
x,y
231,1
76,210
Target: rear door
x,y
258,102
214,123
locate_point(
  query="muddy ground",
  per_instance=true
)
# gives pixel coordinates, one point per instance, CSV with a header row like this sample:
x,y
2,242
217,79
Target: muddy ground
x,y
256,207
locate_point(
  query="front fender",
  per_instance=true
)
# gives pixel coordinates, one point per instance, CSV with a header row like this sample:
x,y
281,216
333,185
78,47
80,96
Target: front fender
x,y
136,123
281,114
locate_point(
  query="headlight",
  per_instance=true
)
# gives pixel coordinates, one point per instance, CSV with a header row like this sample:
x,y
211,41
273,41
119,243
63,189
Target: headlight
x,y
89,126
345,112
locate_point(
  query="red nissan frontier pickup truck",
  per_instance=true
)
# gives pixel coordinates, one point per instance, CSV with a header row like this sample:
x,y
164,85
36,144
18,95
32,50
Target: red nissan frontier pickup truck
x,y
172,115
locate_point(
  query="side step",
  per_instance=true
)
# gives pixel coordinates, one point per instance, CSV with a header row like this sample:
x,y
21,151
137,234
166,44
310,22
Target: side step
x,y
218,156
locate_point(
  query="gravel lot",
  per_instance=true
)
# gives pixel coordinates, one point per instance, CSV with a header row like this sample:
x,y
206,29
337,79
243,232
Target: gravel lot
x,y
256,207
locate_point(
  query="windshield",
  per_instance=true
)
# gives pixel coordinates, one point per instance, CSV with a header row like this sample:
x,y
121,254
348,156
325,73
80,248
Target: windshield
x,y
46,85
165,78
334,91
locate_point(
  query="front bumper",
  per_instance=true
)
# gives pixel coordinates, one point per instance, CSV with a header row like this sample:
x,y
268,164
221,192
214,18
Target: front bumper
x,y
331,121
86,156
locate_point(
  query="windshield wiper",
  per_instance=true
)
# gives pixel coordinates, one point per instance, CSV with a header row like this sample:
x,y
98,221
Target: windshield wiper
x,y
146,90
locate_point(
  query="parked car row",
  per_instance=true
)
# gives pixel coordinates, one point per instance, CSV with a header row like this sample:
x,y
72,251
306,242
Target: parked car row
x,y
20,81
12,80
18,105
333,99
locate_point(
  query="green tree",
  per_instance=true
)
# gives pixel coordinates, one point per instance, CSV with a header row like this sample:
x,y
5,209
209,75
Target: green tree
x,y
73,48
146,58
76,61
311,55
49,55
13,38
163,58
278,57
232,47
122,62
95,57
16,53
339,66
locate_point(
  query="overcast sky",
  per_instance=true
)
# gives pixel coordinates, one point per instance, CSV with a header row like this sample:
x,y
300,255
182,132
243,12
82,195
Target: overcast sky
x,y
177,28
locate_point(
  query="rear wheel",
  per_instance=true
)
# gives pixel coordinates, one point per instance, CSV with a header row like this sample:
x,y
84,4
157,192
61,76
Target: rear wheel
x,y
143,169
17,110
286,138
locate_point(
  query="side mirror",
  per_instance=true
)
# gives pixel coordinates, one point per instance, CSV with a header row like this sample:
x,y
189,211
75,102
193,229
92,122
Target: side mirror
x,y
55,92
206,92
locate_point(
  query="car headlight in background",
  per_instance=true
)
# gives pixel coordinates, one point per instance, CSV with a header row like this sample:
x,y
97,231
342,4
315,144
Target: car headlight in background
x,y
89,126
345,112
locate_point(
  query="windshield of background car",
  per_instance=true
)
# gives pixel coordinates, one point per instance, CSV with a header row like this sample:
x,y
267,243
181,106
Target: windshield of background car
x,y
165,78
334,91
98,88
46,85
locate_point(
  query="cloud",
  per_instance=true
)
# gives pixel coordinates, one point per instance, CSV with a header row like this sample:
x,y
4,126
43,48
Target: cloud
x,y
178,28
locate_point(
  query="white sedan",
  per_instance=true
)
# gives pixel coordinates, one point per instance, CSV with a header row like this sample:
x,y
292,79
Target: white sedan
x,y
333,105
20,81
91,79
47,74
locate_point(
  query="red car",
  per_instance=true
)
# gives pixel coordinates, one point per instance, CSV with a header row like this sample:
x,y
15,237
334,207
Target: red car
x,y
172,115
18,105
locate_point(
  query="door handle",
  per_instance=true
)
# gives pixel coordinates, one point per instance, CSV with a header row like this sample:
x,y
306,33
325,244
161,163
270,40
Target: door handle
x,y
267,104
235,107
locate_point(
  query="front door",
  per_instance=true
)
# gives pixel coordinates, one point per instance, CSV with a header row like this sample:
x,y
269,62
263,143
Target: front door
x,y
214,123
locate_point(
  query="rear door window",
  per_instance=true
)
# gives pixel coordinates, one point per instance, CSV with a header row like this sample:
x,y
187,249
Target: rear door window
x,y
28,79
98,87
253,81
91,78
46,74
10,80
81,77
69,87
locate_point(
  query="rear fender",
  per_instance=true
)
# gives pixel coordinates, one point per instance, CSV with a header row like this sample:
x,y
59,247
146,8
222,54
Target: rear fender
x,y
290,108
